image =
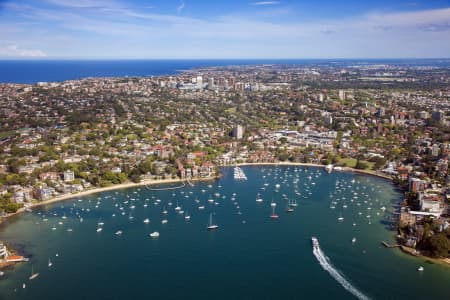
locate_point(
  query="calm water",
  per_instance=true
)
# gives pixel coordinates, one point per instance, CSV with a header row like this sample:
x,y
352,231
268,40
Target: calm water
x,y
32,71
250,256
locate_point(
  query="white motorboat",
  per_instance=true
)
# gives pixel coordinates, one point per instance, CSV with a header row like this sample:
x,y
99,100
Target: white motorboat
x,y
33,275
154,234
211,225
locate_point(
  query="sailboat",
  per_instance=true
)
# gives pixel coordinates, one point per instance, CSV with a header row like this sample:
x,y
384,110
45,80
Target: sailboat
x,y
258,198
33,275
294,203
50,263
211,226
273,215
289,207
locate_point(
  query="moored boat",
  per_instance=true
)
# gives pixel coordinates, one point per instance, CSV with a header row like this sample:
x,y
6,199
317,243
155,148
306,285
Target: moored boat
x,y
33,275
154,234
211,225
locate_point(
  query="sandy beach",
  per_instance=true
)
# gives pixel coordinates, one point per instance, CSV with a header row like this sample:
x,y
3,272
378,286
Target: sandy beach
x,y
103,189
177,180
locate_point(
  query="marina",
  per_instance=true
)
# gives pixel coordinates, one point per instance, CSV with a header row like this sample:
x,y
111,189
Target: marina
x,y
172,248
239,174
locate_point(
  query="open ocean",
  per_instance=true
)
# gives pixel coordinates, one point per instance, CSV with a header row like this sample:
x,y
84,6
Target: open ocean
x,y
250,255
33,71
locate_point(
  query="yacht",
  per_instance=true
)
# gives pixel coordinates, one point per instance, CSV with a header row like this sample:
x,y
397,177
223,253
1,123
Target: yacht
x,y
420,269
201,207
33,275
50,263
353,240
289,208
99,229
315,242
211,225
258,198
146,221
273,215
119,232
164,221
154,234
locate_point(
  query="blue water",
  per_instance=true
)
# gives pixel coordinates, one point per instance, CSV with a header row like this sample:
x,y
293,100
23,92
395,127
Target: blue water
x,y
260,258
33,71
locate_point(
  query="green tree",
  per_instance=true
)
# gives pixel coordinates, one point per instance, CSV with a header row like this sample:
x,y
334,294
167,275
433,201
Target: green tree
x,y
439,245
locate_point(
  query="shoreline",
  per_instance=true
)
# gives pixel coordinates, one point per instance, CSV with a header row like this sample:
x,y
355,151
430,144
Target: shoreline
x,y
426,259
173,180
344,169
403,249
97,190
178,180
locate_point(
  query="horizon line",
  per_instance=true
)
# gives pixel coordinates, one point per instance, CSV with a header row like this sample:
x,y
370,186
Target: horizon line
x,y
212,58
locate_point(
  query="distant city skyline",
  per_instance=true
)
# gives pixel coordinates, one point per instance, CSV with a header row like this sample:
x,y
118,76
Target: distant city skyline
x,y
198,29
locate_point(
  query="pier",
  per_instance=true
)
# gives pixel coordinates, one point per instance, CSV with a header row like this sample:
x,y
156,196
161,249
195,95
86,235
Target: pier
x,y
165,189
239,174
387,245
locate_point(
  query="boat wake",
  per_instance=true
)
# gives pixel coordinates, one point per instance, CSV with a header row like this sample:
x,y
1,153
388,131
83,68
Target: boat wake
x,y
327,266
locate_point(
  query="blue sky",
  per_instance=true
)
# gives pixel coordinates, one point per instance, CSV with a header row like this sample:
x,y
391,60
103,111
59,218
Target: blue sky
x,y
224,29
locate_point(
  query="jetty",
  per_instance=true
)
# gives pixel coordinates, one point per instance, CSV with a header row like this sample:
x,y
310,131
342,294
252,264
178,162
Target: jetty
x,y
239,174
387,245
166,188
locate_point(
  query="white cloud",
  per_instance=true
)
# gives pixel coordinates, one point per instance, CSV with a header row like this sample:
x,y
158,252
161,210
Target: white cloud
x,y
81,3
96,30
15,51
414,18
265,3
181,7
